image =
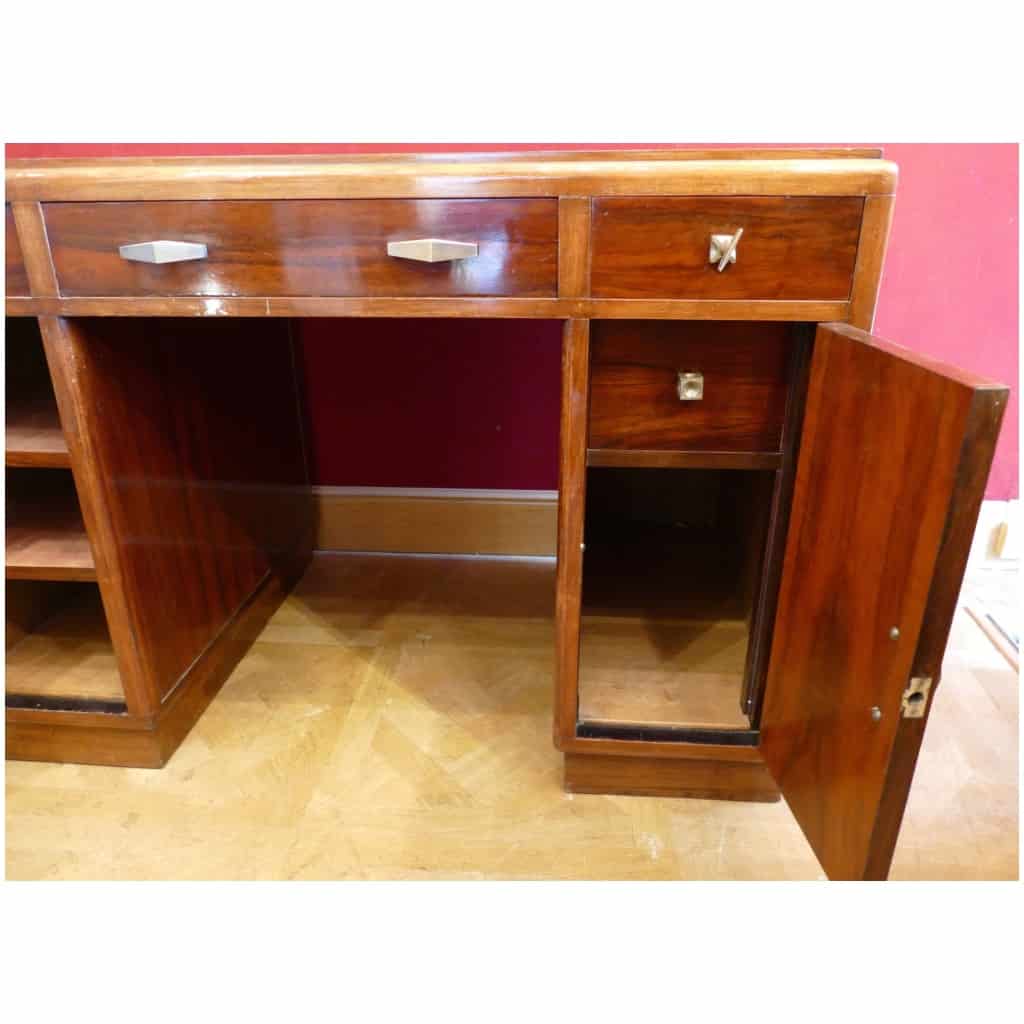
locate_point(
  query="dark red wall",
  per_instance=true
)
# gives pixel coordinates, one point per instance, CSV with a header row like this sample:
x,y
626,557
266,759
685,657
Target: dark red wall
x,y
434,403
475,403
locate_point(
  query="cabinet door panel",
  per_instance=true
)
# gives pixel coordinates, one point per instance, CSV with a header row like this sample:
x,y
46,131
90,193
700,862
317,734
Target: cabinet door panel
x,y
894,456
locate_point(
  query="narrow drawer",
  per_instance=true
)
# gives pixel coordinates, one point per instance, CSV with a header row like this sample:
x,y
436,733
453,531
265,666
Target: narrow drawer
x,y
307,247
742,371
16,277
791,248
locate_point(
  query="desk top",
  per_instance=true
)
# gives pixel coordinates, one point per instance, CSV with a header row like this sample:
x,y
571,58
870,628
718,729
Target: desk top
x,y
796,172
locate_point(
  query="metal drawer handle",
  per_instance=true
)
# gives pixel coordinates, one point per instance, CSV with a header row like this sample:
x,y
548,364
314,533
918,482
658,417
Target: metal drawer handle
x,y
432,250
723,249
690,387
163,251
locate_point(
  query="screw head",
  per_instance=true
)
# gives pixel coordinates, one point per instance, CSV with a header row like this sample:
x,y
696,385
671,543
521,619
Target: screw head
x,y
894,632
876,714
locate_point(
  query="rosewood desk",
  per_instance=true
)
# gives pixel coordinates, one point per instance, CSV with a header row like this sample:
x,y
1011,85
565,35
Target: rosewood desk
x,y
764,512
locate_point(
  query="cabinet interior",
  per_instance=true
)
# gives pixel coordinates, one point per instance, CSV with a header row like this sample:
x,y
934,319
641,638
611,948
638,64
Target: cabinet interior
x,y
671,573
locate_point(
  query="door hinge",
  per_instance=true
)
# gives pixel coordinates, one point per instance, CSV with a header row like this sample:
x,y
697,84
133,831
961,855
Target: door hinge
x,y
915,696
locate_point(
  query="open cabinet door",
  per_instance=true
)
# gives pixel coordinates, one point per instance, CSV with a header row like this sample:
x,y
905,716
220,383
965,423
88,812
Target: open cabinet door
x,y
894,455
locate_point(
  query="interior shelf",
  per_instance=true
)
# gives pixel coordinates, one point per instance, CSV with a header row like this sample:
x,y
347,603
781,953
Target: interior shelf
x,y
34,434
59,651
46,539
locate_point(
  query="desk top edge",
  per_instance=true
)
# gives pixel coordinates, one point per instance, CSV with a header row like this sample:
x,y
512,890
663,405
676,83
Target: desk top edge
x,y
483,174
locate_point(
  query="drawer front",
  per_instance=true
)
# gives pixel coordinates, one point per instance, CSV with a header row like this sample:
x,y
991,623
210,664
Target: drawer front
x,y
634,396
791,248
16,277
307,247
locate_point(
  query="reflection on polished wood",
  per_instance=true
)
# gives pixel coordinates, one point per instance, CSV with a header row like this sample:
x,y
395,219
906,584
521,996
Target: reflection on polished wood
x,y
296,247
393,722
69,655
191,501
634,398
792,248
387,176
869,403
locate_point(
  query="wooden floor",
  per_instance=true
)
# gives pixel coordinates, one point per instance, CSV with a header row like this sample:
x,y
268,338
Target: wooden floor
x,y
393,721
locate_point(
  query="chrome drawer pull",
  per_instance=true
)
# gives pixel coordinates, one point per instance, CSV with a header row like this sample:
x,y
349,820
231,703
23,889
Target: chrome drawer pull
x,y
432,250
163,251
690,387
723,249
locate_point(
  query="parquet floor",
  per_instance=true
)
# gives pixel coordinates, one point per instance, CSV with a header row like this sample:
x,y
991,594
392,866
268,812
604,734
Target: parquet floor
x,y
393,721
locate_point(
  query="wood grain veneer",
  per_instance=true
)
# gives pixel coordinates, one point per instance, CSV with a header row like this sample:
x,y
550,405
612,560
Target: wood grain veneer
x,y
984,419
16,277
879,421
792,248
513,308
35,249
572,477
674,173
573,245
193,486
296,247
867,277
634,403
655,458
778,523
649,776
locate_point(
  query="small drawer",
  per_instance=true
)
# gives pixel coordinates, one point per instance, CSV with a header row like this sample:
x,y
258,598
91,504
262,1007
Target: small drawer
x,y
740,371
308,247
790,248
16,277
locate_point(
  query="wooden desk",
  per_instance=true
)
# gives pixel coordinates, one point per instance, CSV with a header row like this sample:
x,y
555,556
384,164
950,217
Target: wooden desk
x,y
764,512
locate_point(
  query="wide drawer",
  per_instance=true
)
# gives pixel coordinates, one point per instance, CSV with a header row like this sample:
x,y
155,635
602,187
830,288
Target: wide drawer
x,y
307,247
739,370
791,248
15,277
